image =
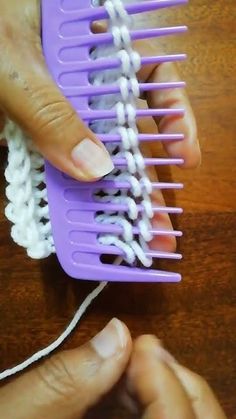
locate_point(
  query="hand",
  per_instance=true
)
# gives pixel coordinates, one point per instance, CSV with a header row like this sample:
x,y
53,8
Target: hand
x,y
29,96
69,383
164,389
66,385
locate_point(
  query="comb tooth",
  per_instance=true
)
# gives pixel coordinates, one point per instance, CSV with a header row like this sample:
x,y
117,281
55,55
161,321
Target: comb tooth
x,y
116,229
160,137
111,63
113,250
168,185
145,87
163,255
92,115
105,38
104,206
149,161
101,13
115,138
167,210
92,90
118,184
156,32
162,59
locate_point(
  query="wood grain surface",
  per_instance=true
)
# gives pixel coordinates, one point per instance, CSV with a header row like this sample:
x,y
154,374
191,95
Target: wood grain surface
x,y
196,318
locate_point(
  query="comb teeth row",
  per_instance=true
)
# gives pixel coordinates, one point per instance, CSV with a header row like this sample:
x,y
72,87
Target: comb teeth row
x,y
112,216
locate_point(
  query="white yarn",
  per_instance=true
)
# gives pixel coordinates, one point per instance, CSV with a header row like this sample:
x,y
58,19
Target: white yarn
x,y
27,208
49,349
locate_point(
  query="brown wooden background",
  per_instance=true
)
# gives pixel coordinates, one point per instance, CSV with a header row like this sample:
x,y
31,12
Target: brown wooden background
x,y
197,318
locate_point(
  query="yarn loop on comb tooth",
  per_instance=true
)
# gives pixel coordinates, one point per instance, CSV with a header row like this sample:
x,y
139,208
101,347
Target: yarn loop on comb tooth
x,y
112,216
125,124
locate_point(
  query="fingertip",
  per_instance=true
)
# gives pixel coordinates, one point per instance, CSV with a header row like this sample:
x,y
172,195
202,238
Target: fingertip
x,y
188,150
85,160
124,336
113,341
92,159
192,156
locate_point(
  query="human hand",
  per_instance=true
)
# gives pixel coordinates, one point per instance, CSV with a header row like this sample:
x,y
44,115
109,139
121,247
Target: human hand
x,y
29,96
69,383
66,385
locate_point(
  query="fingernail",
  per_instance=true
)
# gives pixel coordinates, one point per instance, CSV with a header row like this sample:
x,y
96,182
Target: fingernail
x,y
92,159
164,355
111,340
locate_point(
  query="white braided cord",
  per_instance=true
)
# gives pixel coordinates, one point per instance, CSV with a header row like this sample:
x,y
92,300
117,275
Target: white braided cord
x,y
125,104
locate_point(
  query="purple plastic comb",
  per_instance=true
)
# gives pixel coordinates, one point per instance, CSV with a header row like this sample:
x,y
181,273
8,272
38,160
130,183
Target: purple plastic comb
x,y
111,216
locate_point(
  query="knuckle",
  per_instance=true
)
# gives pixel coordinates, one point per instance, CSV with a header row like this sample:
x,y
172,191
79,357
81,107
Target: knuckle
x,y
50,112
57,378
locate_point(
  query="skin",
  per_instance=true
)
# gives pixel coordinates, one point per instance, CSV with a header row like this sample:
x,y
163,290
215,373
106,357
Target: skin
x,y
67,384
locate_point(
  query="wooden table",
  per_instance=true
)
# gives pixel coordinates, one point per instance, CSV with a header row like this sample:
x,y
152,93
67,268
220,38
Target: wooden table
x,y
196,318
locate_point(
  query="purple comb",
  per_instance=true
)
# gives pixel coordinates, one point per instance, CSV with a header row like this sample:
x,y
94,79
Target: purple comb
x,y
97,73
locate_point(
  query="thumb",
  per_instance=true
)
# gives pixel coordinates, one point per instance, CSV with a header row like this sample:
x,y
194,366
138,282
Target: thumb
x,y
31,98
69,383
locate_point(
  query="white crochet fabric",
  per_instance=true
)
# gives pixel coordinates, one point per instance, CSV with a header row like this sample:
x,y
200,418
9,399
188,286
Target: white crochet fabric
x,y
26,190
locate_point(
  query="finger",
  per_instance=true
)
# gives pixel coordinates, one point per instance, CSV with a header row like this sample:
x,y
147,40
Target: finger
x,y
30,97
69,383
155,384
188,149
204,402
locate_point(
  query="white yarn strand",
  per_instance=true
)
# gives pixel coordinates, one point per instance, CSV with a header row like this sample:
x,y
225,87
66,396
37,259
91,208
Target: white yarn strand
x,y
53,346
